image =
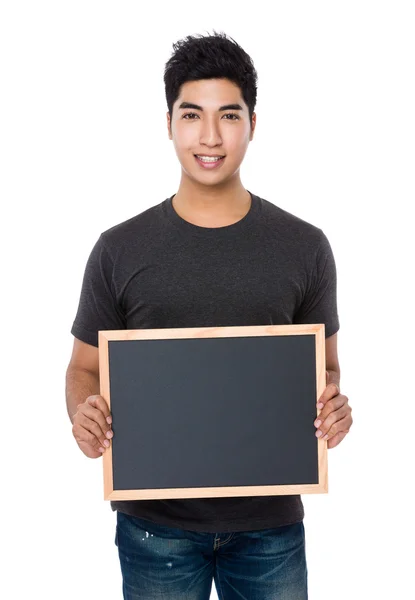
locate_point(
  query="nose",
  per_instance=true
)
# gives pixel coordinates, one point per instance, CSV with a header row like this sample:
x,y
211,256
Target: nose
x,y
209,133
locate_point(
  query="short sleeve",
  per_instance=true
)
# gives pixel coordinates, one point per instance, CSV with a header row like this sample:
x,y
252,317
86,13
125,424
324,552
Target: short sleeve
x,y
98,308
319,304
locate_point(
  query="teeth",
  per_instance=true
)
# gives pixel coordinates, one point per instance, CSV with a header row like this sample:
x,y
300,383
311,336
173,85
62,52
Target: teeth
x,y
209,158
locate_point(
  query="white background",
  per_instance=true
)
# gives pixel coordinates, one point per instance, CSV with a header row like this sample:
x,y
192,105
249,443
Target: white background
x,y
84,146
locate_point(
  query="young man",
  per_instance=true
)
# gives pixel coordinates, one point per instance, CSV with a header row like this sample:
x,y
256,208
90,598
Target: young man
x,y
213,254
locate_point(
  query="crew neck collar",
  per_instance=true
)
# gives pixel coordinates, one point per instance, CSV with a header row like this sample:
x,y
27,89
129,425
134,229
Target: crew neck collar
x,y
212,232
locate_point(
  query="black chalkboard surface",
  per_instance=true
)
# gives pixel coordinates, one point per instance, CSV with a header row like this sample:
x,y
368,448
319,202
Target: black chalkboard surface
x,y
213,411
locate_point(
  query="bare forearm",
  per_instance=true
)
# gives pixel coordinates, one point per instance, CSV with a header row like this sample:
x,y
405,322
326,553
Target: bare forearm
x,y
79,385
334,376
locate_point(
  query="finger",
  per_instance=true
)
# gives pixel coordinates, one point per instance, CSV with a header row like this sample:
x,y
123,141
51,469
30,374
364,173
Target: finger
x,y
96,415
97,425
331,390
85,438
325,424
329,430
90,451
335,440
332,405
99,402
83,434
89,431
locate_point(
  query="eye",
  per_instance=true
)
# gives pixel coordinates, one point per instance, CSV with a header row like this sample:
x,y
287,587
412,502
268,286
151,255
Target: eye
x,y
233,115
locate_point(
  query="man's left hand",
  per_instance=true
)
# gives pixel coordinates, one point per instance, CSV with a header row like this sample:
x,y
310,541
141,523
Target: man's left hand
x,y
335,418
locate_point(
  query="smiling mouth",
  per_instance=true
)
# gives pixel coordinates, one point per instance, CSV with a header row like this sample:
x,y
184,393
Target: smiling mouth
x,y
209,159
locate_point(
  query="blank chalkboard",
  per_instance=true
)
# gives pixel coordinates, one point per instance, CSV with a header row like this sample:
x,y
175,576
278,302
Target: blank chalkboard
x,y
213,411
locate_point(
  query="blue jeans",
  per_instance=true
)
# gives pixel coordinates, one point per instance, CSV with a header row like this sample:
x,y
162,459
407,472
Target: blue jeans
x,y
171,564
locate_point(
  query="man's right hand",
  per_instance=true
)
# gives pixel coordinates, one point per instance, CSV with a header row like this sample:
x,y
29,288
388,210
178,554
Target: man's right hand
x,y
90,426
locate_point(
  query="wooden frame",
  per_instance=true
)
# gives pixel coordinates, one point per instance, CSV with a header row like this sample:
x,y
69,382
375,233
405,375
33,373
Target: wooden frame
x,y
318,330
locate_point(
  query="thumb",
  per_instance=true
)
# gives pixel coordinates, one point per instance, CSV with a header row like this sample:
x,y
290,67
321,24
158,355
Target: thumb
x,y
327,377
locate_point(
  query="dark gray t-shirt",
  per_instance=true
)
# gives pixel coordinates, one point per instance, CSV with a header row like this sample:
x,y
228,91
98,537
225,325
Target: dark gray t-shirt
x,y
157,270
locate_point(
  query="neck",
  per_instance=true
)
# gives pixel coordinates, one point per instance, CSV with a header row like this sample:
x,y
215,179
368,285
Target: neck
x,y
212,206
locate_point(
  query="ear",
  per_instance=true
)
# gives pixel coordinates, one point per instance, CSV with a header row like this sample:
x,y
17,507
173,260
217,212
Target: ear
x,y
169,126
252,127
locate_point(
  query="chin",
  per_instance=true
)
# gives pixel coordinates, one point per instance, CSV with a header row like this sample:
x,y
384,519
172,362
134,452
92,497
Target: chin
x,y
208,181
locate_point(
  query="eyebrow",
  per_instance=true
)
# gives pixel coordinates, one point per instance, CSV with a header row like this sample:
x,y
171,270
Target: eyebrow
x,y
197,107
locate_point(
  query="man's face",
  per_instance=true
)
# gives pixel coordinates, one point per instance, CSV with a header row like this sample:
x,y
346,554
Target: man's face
x,y
211,129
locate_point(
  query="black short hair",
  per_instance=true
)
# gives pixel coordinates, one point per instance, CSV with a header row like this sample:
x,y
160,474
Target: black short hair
x,y
210,57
